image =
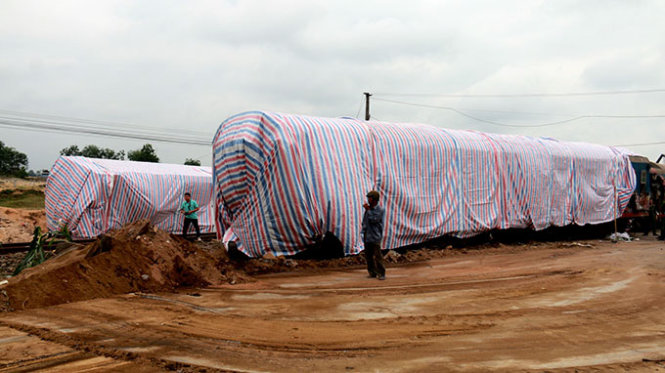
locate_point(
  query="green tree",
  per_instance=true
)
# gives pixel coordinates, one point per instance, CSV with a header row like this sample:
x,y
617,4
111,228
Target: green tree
x,y
93,151
192,162
12,162
145,154
71,151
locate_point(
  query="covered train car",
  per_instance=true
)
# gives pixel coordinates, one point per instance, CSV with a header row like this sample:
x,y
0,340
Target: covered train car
x,y
92,196
282,182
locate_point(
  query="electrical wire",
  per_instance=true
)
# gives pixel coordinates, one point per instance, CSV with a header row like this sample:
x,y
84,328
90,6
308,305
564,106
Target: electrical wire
x,y
642,144
50,127
466,110
92,129
33,121
569,94
10,114
500,124
360,107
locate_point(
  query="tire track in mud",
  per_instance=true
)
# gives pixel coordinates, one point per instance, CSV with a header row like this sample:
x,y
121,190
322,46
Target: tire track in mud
x,y
85,350
513,312
117,327
44,361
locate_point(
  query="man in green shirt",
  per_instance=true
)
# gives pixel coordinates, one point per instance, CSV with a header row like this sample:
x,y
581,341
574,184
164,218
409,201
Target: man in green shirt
x,y
189,209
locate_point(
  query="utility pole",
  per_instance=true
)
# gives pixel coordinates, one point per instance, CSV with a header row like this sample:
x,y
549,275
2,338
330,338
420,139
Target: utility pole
x,y
367,94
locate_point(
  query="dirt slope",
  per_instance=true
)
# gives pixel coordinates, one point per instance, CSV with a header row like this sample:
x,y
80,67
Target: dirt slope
x,y
138,257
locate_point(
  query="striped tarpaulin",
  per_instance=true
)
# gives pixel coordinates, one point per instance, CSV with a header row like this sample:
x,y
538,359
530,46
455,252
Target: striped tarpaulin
x,y
92,196
282,181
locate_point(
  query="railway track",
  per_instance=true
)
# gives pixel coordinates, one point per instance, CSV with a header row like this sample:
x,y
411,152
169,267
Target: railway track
x,y
17,247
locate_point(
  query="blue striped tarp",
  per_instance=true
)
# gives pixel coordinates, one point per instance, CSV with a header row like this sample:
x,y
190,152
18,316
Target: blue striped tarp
x,y
92,196
282,181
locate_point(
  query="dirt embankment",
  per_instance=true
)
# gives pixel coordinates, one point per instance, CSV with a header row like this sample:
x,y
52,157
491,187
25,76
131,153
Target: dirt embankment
x,y
138,257
18,225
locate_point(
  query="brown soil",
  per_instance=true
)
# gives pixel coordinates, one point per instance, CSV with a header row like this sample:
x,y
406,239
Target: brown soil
x,y
270,264
572,306
22,352
8,263
18,225
138,257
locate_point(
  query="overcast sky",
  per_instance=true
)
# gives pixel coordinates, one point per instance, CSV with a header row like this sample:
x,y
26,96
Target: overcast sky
x,y
188,65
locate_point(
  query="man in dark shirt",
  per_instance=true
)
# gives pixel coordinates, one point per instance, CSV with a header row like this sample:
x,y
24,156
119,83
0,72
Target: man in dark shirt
x,y
372,231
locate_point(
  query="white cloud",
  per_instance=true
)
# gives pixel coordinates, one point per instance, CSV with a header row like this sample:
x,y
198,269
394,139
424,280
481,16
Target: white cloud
x,y
191,64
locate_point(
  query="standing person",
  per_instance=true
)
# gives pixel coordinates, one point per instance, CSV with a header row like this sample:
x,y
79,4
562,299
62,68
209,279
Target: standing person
x,y
372,231
189,209
660,206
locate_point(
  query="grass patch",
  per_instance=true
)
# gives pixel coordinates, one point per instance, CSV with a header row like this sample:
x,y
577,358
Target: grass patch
x,y
22,199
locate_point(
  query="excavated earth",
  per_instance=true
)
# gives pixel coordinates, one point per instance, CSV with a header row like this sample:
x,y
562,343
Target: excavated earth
x,y
568,306
138,257
18,225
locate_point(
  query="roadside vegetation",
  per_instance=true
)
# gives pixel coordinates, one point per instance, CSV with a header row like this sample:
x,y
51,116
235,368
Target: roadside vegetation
x,y
40,242
22,199
22,193
12,162
145,154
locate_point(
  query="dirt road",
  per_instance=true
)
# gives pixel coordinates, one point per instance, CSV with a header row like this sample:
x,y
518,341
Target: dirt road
x,y
599,308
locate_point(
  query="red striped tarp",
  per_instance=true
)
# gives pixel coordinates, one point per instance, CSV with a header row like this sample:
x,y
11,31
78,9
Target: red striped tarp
x,y
282,181
92,196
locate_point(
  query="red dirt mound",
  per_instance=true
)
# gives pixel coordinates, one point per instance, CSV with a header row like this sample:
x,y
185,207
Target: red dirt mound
x,y
17,225
138,257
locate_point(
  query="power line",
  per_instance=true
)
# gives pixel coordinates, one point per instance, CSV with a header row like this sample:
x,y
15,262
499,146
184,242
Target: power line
x,y
516,112
63,119
360,106
17,122
92,129
519,125
55,129
517,95
642,144
51,127
54,123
